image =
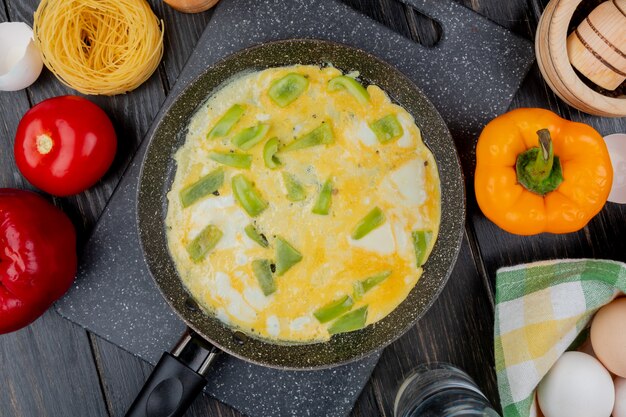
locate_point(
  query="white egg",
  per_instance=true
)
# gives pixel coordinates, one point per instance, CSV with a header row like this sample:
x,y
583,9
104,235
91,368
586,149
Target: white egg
x,y
20,60
380,240
255,297
616,144
576,386
236,305
359,131
410,181
273,326
222,212
406,140
619,410
299,323
533,408
365,134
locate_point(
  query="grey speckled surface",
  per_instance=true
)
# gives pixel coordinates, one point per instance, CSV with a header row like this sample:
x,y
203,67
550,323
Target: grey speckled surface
x,y
470,76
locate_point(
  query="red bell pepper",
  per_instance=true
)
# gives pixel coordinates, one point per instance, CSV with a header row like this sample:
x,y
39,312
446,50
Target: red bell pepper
x,y
37,257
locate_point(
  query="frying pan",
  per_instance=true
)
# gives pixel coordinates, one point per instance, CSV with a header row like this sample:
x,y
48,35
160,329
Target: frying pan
x,y
180,375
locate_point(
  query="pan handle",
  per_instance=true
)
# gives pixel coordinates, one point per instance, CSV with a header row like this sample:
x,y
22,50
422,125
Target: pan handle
x,y
177,379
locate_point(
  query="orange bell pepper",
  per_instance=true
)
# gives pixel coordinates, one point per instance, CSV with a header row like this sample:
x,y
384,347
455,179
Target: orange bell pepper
x,y
537,172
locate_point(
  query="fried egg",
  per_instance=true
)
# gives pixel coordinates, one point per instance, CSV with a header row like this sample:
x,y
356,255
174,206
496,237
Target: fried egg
x,y
317,213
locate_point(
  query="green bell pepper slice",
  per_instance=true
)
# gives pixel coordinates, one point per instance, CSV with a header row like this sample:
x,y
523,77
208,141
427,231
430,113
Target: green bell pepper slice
x,y
372,220
263,271
295,190
250,136
248,196
387,129
255,236
361,287
421,240
352,86
201,188
333,309
270,149
286,256
206,240
226,122
322,135
287,89
235,160
322,204
349,322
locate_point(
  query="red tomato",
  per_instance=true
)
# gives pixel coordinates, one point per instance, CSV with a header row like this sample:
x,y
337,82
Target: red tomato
x,y
64,145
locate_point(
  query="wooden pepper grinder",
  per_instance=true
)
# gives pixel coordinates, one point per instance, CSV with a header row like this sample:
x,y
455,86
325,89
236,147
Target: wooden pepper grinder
x,y
597,48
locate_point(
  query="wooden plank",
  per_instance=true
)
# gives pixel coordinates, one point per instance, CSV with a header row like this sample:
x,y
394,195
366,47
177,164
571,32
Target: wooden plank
x,y
453,331
601,238
47,369
512,14
13,105
182,32
131,114
401,18
457,329
122,373
367,404
122,390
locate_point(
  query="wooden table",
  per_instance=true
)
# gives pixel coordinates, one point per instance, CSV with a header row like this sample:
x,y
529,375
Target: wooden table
x,y
55,368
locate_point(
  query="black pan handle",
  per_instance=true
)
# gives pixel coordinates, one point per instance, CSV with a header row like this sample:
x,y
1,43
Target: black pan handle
x,y
177,379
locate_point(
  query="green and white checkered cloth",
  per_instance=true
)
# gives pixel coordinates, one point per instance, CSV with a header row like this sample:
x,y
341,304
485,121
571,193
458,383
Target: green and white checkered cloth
x,y
541,308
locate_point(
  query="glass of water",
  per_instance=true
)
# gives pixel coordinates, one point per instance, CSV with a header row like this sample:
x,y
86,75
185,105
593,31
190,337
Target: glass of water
x,y
441,390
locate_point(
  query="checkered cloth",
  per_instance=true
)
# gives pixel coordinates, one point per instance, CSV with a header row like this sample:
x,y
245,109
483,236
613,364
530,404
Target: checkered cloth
x,y
541,309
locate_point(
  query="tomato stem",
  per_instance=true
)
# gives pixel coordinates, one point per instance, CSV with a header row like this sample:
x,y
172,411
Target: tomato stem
x,y
44,144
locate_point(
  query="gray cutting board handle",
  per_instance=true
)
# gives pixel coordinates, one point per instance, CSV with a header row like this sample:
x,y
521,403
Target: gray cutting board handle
x,y
453,18
437,10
